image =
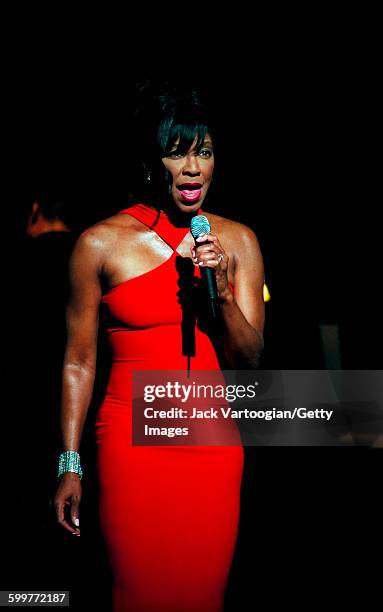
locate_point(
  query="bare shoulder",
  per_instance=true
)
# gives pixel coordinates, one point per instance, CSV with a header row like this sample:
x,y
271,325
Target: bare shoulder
x,y
238,237
101,238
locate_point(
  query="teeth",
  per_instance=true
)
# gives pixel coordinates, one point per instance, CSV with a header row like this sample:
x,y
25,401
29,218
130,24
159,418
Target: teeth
x,y
191,194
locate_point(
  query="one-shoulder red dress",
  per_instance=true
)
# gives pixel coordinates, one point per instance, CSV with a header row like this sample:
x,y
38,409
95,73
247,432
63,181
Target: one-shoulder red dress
x,y
169,514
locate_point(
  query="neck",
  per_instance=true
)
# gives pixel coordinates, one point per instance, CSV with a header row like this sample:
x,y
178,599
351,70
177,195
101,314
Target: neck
x,y
177,217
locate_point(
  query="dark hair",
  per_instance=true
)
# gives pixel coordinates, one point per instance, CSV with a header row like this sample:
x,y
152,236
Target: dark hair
x,y
165,113
54,205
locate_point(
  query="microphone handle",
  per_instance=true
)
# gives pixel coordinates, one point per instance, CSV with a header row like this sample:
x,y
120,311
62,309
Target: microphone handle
x,y
211,285
208,276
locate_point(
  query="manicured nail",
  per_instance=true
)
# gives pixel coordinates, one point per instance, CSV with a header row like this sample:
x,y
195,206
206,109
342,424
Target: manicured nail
x,y
76,522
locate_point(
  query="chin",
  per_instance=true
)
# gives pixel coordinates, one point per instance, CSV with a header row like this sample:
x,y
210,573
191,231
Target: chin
x,y
188,206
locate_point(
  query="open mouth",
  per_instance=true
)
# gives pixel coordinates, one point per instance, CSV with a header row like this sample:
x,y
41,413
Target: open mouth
x,y
190,192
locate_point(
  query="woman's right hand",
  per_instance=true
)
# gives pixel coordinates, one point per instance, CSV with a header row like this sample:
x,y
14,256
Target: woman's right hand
x,y
69,494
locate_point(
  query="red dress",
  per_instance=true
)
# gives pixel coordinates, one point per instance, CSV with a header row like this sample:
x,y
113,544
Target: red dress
x,y
169,514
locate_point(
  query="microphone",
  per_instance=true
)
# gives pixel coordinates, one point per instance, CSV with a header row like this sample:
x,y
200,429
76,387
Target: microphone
x,y
198,227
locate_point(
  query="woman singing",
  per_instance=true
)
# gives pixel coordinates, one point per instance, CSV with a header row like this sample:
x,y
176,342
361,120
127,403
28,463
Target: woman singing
x,y
169,515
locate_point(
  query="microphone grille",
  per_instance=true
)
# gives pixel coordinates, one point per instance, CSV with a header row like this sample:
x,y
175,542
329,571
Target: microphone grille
x,y
199,225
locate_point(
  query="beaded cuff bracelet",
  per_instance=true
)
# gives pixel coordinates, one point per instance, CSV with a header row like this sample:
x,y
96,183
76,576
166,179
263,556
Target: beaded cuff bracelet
x,y
69,461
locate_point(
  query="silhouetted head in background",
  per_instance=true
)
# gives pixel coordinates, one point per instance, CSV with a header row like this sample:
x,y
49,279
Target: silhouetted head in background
x,y
49,213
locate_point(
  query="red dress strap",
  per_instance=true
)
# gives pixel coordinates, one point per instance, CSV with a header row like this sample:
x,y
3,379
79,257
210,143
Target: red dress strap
x,y
159,222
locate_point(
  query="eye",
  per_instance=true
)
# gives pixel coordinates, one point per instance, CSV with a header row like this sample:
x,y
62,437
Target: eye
x,y
205,153
175,155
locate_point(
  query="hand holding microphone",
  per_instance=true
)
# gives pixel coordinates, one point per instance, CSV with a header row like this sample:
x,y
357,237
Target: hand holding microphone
x,y
209,255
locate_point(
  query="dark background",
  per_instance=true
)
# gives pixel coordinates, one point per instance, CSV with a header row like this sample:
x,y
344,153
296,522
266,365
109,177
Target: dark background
x,y
296,162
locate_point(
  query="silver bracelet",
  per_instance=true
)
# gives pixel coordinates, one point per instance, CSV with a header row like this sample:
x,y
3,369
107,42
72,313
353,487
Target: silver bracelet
x,y
69,461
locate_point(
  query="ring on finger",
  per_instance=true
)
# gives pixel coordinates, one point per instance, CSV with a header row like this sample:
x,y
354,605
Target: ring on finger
x,y
220,257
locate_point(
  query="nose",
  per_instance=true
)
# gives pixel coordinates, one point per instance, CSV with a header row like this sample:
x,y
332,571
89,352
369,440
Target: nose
x,y
191,166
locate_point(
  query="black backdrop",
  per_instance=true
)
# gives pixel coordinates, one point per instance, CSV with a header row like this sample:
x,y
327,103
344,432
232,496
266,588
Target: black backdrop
x,y
294,161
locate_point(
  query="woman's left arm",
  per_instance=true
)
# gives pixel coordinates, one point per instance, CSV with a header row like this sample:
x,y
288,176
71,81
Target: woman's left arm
x,y
243,314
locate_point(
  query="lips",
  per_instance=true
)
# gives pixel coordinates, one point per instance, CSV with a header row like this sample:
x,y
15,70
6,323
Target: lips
x,y
190,192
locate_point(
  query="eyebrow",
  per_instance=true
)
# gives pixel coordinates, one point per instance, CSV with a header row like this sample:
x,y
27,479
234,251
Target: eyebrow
x,y
207,142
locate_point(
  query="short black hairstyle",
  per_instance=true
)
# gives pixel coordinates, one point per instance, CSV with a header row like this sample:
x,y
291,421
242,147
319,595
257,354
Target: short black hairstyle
x,y
164,113
51,204
54,204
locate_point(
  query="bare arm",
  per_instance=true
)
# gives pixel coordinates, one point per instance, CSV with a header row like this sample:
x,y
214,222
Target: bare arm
x,y
243,314
81,348
79,361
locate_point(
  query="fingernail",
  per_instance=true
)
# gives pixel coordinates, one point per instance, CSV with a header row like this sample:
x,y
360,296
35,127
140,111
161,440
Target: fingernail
x,y
76,522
